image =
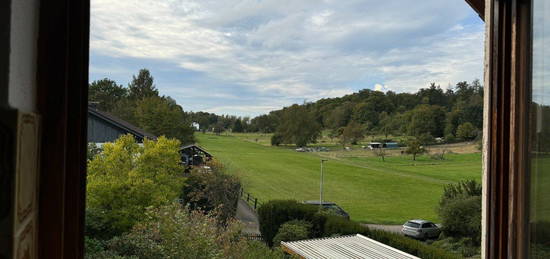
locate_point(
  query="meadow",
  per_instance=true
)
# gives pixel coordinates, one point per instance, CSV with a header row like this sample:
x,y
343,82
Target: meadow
x,y
369,189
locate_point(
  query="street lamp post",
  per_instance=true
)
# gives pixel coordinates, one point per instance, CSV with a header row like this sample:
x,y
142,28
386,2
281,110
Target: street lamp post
x,y
321,186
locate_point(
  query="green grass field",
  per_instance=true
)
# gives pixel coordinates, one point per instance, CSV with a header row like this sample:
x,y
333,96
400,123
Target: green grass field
x,y
372,191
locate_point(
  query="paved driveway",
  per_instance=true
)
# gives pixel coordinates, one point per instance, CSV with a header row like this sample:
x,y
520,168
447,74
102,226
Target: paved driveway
x,y
248,216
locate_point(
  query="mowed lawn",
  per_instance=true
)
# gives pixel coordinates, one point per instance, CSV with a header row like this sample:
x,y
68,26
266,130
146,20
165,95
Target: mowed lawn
x,y
372,191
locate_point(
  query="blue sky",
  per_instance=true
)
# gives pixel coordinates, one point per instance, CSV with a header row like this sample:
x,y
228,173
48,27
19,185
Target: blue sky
x,y
247,57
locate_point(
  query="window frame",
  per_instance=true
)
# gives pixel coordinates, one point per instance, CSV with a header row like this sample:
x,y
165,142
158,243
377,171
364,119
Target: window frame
x,y
63,47
505,231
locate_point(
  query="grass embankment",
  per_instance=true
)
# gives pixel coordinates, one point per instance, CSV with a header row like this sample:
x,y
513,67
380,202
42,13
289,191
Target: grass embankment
x,y
372,191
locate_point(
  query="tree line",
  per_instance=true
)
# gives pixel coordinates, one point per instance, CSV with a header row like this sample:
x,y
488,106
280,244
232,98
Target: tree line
x,y
453,114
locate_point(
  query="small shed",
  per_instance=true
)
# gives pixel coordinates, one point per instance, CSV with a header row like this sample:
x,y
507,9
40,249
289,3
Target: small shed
x,y
193,155
352,246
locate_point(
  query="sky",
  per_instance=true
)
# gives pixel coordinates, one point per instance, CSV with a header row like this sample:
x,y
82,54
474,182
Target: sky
x,y
248,57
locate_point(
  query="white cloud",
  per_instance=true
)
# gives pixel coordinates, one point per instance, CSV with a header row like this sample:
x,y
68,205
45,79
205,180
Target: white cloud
x,y
297,49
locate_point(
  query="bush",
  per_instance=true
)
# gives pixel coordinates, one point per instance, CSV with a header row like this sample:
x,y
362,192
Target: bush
x,y
292,230
461,217
175,232
212,191
466,131
274,213
276,139
126,178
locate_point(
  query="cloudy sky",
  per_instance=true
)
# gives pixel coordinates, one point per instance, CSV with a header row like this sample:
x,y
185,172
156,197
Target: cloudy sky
x,y
247,57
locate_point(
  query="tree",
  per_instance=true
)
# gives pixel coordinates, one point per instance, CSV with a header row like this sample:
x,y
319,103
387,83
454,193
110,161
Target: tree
x,y
414,147
126,178
380,152
238,126
298,126
106,93
162,116
142,86
352,133
425,119
466,131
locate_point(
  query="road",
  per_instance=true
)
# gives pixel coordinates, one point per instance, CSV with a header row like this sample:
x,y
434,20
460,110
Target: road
x,y
249,217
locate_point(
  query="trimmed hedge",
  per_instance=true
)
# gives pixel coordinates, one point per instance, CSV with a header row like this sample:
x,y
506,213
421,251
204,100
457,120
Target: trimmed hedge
x,y
275,213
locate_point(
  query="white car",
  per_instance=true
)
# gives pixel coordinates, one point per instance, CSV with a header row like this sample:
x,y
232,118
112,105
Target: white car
x,y
421,229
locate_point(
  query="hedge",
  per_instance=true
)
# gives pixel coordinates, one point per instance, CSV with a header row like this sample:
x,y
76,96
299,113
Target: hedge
x,y
274,213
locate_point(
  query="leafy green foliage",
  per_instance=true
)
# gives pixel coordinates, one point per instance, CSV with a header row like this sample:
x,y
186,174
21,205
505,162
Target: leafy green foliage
x,y
126,178
106,93
352,133
213,191
276,139
460,211
274,213
292,230
174,232
414,147
466,131
141,105
298,126
142,86
162,116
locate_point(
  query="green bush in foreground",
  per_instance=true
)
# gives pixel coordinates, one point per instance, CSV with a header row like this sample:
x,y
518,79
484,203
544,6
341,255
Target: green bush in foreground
x,y
275,213
292,230
175,232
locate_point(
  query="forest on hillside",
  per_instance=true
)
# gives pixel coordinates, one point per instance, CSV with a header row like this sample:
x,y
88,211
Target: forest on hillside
x,y
453,114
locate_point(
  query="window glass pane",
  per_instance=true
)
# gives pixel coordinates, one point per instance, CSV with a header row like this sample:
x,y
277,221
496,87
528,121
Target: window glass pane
x,y
540,133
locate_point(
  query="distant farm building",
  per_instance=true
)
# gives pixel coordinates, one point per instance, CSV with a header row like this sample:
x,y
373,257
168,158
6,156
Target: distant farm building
x,y
104,127
193,155
374,145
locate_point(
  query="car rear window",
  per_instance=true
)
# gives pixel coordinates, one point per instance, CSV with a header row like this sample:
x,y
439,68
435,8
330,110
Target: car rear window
x,y
412,225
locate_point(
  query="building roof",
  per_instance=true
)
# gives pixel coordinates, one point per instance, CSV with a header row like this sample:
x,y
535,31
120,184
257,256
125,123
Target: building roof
x,y
195,147
120,123
352,246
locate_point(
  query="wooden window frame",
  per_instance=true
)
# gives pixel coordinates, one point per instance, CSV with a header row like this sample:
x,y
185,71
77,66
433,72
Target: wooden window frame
x,y
63,48
62,101
507,99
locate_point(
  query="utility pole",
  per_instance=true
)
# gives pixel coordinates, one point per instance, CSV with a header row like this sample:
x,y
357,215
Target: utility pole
x,y
321,186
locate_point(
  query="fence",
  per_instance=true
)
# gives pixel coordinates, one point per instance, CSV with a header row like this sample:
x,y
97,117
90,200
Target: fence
x,y
253,236
252,201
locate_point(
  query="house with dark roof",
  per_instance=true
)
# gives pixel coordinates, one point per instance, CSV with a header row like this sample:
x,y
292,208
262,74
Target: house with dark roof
x,y
193,155
105,127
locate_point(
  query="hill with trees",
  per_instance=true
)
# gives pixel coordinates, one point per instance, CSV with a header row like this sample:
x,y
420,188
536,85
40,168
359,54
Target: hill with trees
x,y
455,113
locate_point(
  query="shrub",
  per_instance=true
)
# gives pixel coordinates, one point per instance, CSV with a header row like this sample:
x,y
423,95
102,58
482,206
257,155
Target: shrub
x,y
212,191
276,139
274,213
466,131
461,217
175,232
126,178
292,230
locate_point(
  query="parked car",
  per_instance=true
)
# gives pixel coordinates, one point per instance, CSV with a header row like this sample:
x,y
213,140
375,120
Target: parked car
x,y
421,229
331,206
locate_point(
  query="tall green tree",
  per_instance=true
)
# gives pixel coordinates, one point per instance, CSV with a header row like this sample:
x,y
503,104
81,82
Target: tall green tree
x,y
298,126
414,147
106,93
352,133
142,86
162,116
